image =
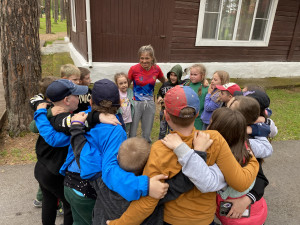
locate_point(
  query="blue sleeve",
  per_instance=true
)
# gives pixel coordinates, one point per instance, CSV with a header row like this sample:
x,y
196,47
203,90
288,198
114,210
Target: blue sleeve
x,y
90,162
52,137
260,129
210,105
128,185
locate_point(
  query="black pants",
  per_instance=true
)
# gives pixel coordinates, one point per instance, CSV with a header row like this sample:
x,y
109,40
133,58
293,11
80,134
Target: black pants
x,y
52,187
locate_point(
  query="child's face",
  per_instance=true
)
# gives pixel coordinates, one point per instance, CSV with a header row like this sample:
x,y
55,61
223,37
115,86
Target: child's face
x,y
146,60
86,80
122,84
72,101
195,75
225,96
245,89
173,78
215,80
75,79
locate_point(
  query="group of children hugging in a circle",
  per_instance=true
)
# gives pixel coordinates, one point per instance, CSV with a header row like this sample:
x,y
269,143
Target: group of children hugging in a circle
x,y
207,162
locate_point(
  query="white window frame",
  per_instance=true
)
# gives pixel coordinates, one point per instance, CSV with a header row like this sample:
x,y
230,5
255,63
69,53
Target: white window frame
x,y
250,43
73,15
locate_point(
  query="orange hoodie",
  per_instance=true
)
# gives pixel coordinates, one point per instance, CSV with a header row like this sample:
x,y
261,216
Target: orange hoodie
x,y
193,207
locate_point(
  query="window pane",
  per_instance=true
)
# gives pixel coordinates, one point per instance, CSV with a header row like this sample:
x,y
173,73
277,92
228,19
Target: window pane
x,y
212,6
245,21
263,9
210,25
259,29
229,11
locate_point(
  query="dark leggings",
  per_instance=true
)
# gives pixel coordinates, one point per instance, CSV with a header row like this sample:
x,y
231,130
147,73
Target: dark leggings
x,y
52,187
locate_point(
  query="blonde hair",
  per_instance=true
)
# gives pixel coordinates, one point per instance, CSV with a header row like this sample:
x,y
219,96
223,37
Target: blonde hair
x,y
224,77
68,70
202,71
133,155
118,75
149,49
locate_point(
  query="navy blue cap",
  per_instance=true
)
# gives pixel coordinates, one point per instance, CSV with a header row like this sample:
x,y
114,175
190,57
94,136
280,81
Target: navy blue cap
x,y
59,89
106,90
262,98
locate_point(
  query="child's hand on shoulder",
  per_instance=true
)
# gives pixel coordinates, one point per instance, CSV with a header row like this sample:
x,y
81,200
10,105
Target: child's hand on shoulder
x,y
201,141
81,116
172,141
42,105
109,119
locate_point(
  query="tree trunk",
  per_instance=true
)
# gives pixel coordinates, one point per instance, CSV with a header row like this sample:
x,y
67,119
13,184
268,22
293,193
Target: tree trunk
x,y
62,10
68,16
21,60
55,11
52,8
48,16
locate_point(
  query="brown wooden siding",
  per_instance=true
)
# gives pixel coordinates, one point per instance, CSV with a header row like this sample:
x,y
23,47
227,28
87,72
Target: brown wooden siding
x,y
120,28
184,30
78,38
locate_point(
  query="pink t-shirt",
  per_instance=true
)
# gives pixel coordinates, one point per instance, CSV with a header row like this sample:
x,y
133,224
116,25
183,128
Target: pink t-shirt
x,y
126,107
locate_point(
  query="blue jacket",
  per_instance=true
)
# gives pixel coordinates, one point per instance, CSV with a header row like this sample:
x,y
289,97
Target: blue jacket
x,y
99,155
210,105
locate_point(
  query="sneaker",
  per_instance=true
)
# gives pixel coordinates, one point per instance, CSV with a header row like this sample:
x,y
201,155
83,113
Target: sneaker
x,y
60,212
37,204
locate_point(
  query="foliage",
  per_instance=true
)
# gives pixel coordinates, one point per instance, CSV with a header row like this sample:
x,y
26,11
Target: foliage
x,y
60,26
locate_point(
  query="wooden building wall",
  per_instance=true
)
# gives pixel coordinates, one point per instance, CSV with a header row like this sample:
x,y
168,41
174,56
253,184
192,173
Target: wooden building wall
x,y
183,47
79,38
120,28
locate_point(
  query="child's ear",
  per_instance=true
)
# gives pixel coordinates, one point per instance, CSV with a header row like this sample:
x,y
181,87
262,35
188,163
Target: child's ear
x,y
66,101
167,117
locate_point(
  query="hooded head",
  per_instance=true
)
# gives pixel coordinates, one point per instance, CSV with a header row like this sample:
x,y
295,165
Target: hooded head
x,y
177,70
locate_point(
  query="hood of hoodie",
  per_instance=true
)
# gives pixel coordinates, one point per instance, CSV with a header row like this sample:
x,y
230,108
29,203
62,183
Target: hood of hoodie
x,y
177,69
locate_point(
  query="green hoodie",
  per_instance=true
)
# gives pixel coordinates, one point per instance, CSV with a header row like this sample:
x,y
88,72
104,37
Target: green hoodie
x,y
177,69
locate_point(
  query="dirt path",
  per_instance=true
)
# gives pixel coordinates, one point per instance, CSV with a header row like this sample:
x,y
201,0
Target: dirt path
x,y
53,37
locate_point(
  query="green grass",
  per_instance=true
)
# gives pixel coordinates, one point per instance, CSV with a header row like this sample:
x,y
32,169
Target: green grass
x,y
48,43
60,26
286,112
51,63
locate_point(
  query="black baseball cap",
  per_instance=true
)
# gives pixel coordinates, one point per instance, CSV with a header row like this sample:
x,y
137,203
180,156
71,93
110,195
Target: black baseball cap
x,y
106,90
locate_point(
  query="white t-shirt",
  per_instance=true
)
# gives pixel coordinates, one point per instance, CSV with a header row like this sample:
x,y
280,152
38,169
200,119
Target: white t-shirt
x,y
126,107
